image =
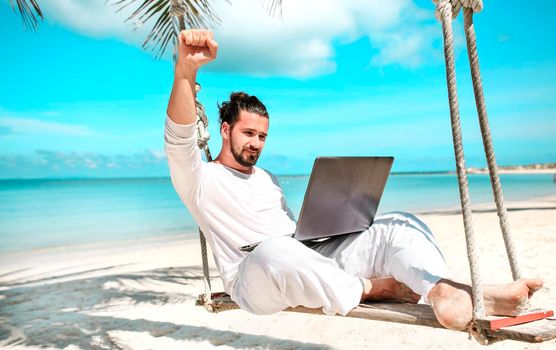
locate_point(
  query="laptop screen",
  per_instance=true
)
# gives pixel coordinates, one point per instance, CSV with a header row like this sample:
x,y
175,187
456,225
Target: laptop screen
x,y
342,196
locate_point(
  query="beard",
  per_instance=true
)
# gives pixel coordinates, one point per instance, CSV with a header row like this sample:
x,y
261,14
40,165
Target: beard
x,y
244,155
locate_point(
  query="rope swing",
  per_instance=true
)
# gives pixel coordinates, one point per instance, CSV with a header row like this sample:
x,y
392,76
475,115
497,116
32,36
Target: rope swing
x,y
481,328
446,11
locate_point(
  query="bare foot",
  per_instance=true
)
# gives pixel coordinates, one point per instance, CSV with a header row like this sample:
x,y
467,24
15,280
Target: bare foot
x,y
510,299
387,288
452,305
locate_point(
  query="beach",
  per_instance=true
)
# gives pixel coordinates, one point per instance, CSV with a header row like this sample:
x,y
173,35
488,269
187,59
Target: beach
x,y
110,112
140,294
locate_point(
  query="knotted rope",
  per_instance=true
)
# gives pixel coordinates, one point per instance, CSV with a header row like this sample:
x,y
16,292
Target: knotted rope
x,y
202,126
177,8
456,5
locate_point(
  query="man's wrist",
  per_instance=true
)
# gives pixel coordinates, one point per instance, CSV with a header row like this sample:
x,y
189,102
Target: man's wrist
x,y
185,70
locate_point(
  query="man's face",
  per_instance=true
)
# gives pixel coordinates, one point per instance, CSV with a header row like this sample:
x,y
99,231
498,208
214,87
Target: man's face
x,y
247,137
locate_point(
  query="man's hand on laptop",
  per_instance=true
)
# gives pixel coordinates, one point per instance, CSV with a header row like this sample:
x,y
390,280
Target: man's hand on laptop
x,y
196,47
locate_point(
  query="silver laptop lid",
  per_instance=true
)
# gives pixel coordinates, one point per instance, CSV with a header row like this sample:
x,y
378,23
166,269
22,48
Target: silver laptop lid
x,y
342,196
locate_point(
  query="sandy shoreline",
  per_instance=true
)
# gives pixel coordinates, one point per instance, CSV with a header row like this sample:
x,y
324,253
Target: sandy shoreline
x,y
547,168
515,171
140,295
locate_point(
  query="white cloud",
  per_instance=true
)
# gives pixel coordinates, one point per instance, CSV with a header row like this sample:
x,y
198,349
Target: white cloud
x,y
90,160
96,18
406,49
45,163
300,43
36,126
402,32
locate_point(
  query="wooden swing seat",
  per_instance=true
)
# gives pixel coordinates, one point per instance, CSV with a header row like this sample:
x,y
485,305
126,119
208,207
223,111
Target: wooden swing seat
x,y
540,326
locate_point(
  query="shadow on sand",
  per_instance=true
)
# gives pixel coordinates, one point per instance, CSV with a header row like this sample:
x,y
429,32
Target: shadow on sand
x,y
54,314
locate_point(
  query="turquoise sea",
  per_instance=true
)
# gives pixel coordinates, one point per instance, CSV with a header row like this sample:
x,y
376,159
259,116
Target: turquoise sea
x,y
54,212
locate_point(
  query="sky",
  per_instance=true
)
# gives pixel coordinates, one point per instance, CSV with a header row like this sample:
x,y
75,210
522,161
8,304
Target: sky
x,y
81,98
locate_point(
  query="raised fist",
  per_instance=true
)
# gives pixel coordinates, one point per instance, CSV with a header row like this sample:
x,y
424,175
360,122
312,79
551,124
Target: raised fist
x,y
196,47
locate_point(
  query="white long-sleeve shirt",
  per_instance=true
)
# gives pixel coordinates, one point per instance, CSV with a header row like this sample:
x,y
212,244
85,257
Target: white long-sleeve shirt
x,y
233,209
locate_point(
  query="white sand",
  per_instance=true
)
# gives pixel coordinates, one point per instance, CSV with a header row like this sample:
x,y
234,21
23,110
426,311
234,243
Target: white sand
x,y
140,295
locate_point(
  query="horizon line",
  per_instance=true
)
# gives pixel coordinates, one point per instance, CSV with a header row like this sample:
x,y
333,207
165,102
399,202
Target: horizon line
x,y
394,173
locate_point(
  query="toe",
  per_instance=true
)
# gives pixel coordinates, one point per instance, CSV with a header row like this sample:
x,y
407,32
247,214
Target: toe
x,y
533,285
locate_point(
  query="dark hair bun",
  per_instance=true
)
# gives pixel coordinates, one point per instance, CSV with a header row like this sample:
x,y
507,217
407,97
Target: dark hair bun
x,y
240,101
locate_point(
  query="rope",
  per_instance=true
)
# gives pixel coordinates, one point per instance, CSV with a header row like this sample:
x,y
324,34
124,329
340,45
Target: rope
x,y
202,126
220,302
487,141
202,141
455,6
177,8
206,273
444,9
475,5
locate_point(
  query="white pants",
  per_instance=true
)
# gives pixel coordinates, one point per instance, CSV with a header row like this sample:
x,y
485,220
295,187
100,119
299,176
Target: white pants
x,y
282,272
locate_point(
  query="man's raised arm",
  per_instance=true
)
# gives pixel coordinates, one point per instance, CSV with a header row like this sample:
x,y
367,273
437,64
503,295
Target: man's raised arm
x,y
195,49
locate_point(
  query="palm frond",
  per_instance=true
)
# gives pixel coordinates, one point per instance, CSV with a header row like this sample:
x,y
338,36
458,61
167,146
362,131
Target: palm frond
x,y
197,14
29,11
274,7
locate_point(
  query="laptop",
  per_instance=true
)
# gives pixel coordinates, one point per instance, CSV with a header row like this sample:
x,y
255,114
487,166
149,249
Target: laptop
x,y
342,197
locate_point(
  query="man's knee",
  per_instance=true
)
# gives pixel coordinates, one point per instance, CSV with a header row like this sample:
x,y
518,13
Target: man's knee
x,y
407,223
259,288
274,250
404,216
276,242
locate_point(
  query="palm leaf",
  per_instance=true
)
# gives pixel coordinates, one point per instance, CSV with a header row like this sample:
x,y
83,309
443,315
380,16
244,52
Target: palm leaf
x,y
29,11
274,7
196,14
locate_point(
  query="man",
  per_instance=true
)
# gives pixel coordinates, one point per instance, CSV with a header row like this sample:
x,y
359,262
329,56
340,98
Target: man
x,y
236,203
